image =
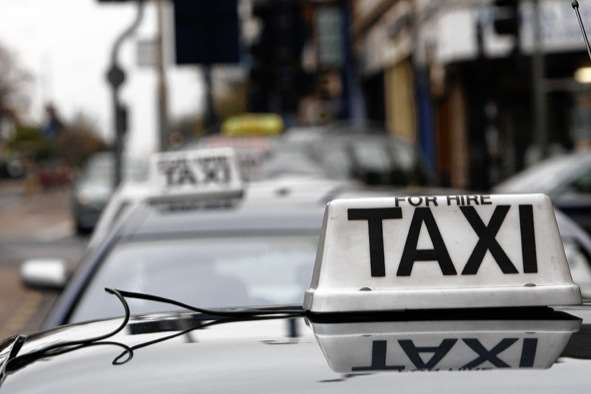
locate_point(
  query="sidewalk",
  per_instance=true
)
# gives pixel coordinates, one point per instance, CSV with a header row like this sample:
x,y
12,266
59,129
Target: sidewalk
x,y
32,225
39,215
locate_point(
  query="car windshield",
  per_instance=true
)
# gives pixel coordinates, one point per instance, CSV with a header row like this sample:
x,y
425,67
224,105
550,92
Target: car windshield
x,y
99,168
223,272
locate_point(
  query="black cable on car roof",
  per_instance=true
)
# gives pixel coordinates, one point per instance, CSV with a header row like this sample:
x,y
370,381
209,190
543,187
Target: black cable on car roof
x,y
15,361
250,312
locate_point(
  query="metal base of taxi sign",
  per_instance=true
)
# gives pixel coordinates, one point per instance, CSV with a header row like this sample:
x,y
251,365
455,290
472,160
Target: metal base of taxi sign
x,y
433,252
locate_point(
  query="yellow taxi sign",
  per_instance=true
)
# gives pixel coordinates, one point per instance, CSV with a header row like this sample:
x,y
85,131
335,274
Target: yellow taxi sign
x,y
432,252
190,174
253,125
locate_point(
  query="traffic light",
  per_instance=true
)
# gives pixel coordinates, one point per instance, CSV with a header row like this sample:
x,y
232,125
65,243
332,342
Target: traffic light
x,y
506,17
207,32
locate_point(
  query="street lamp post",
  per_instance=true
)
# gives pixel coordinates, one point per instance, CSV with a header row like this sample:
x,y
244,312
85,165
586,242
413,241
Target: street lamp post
x,y
116,78
162,89
538,67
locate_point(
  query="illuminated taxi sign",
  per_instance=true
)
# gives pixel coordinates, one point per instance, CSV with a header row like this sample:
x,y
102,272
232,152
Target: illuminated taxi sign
x,y
444,345
197,173
249,125
431,252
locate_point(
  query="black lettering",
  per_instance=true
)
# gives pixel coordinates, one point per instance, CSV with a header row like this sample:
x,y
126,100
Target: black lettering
x,y
473,199
168,169
374,217
528,239
413,352
215,169
379,350
419,201
452,198
185,175
411,254
429,200
398,200
528,352
485,200
488,355
486,240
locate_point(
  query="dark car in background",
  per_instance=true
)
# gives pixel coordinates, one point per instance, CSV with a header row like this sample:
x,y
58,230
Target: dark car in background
x,y
566,179
93,188
91,192
365,154
12,167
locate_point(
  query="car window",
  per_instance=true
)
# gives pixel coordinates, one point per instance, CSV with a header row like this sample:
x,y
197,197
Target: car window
x,y
542,178
582,184
208,272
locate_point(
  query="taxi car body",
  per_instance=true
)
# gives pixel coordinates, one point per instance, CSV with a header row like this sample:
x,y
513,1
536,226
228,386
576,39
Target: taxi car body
x,y
261,252
487,306
240,357
148,234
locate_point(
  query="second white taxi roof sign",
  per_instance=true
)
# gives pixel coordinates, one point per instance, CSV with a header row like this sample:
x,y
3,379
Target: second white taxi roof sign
x,y
201,173
432,252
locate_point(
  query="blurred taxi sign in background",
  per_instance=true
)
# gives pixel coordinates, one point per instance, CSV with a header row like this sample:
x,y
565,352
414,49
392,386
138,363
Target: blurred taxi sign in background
x,y
444,345
431,252
253,125
202,173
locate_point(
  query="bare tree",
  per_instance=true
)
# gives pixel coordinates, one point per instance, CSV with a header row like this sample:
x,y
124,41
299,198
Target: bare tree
x,y
13,85
79,139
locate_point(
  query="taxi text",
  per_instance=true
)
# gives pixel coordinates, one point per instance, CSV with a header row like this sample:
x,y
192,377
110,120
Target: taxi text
x,y
423,216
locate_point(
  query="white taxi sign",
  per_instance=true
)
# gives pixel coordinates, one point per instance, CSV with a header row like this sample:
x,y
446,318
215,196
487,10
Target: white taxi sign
x,y
197,173
433,252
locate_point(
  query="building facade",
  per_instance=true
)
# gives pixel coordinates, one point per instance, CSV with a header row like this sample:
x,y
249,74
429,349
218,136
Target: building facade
x,y
439,74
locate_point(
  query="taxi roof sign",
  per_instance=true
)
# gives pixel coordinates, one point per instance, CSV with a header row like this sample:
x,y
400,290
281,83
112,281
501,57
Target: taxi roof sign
x,y
253,124
437,252
195,174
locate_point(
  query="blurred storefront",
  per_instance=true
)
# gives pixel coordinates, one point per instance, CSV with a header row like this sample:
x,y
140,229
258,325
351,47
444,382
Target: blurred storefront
x,y
451,82
301,64
495,71
396,91
382,41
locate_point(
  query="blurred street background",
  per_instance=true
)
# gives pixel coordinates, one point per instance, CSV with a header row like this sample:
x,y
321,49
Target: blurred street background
x,y
478,89
33,225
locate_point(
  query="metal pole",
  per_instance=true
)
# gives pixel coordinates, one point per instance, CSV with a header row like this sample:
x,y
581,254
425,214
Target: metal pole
x,y
575,5
538,71
210,114
162,89
116,78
